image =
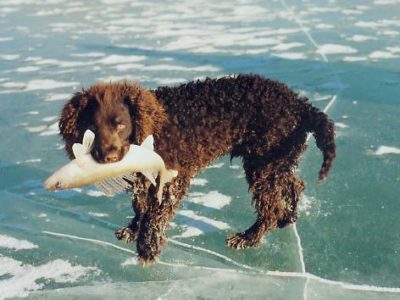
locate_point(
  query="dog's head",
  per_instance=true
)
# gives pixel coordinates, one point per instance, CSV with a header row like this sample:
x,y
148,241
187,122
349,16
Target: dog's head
x,y
112,123
118,113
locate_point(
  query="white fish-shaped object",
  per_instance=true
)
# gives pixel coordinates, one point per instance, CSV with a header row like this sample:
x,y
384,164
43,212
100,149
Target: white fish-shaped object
x,y
111,178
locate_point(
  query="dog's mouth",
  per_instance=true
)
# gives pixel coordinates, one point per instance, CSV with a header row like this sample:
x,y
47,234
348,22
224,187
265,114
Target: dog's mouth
x,y
110,156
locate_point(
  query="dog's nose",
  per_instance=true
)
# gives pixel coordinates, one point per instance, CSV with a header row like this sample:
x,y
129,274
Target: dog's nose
x,y
113,157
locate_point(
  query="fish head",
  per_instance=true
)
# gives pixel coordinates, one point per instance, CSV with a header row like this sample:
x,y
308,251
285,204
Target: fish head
x,y
54,183
63,177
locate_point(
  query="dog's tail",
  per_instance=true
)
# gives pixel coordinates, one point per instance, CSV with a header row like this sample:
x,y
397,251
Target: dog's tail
x,y
324,133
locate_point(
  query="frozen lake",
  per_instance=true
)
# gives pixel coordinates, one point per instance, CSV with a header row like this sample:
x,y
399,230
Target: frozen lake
x,y
343,55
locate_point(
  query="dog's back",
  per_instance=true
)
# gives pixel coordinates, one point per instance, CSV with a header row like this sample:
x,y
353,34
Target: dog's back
x,y
241,115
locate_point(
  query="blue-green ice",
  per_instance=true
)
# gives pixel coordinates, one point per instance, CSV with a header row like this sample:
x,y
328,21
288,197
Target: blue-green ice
x,y
343,55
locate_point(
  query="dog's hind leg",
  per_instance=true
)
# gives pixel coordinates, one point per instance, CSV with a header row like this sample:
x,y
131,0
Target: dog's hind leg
x,y
275,189
266,186
291,193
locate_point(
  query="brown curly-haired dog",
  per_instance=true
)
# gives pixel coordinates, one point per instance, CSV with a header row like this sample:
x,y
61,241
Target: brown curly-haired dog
x,y
247,116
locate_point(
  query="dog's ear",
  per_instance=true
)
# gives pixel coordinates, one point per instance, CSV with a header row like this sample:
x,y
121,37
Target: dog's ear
x,y
148,115
68,123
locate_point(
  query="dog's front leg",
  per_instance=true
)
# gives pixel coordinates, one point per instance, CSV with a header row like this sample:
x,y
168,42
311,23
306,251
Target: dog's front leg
x,y
140,192
151,238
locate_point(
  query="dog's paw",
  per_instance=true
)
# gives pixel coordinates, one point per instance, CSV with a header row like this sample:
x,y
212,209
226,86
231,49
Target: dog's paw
x,y
147,260
149,247
148,254
126,234
242,241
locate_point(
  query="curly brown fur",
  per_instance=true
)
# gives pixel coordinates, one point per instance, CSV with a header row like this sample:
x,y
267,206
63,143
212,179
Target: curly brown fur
x,y
247,116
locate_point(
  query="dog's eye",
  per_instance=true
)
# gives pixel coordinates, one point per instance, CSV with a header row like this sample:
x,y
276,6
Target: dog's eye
x,y
120,126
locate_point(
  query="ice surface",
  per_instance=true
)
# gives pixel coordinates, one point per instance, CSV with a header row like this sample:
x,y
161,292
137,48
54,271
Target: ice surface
x,y
343,55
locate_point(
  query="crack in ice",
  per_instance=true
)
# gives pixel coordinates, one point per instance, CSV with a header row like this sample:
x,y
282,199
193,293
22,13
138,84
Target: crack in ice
x,y
325,110
250,270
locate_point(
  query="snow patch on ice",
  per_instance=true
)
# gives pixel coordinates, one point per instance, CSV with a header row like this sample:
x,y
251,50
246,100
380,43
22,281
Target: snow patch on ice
x,y
49,118
89,54
323,9
287,46
48,84
389,32
235,167
48,12
355,58
165,67
199,181
335,49
213,199
195,225
55,97
114,78
382,55
13,85
6,10
382,150
29,161
309,205
24,277
194,218
321,97
35,129
377,24
189,231
95,193
367,24
290,55
9,56
51,130
63,63
13,243
115,59
393,49
261,41
169,81
37,84
351,12
32,112
324,26
360,38
98,214
341,125
6,39
27,69
216,166
386,2
131,261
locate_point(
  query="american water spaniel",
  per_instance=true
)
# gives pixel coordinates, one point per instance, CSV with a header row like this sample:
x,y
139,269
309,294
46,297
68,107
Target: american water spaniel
x,y
249,116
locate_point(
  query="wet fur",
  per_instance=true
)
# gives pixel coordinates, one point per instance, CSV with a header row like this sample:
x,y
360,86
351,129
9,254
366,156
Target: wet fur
x,y
248,116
